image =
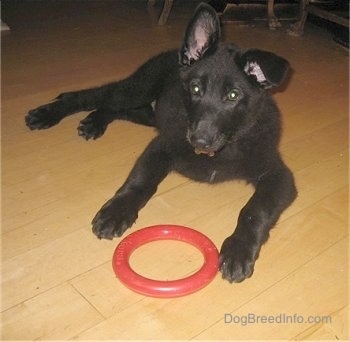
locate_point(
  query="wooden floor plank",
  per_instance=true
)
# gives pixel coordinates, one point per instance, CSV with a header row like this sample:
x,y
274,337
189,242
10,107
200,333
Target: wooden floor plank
x,y
57,314
47,266
335,330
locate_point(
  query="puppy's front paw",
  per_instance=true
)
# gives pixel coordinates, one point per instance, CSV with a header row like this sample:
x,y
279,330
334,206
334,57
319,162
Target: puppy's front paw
x,y
113,219
237,259
41,118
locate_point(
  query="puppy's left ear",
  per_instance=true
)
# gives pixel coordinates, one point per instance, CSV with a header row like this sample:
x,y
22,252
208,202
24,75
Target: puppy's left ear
x,y
268,69
202,35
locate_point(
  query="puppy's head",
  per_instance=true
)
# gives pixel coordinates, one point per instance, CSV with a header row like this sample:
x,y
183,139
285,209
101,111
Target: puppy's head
x,y
222,83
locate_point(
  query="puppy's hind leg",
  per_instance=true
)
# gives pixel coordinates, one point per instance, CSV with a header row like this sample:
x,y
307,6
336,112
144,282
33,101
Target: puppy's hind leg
x,y
127,98
65,104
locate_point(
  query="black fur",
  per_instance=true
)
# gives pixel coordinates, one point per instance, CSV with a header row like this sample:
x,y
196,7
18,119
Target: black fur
x,y
216,122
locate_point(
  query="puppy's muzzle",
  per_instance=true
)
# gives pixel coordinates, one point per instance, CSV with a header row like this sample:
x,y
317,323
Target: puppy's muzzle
x,y
205,139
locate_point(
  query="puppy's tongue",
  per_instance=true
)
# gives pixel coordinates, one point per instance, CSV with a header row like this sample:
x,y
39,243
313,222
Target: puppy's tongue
x,y
201,151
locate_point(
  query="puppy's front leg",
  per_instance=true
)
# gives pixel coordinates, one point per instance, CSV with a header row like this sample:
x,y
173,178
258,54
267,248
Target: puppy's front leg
x,y
274,192
121,211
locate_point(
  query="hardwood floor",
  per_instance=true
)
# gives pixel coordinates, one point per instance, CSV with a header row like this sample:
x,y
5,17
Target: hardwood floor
x,y
57,280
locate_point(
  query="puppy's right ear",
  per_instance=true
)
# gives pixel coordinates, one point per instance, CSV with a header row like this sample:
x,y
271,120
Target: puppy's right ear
x,y
202,35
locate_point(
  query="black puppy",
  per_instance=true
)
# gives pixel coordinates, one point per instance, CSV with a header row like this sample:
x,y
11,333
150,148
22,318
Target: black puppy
x,y
216,122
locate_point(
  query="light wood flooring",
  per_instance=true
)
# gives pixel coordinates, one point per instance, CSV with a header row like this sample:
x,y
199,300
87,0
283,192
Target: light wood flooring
x,y
56,277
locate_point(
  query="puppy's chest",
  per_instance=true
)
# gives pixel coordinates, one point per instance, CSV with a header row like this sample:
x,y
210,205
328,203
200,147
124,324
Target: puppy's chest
x,y
203,168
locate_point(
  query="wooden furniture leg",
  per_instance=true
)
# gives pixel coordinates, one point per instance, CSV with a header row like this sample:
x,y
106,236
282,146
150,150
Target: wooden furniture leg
x,y
297,29
271,17
167,6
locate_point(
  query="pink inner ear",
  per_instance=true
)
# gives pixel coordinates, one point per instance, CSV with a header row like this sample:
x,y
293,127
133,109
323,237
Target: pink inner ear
x,y
199,44
201,38
253,68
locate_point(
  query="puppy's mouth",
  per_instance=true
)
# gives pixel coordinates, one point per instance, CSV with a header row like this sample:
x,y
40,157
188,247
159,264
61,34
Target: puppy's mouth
x,y
199,150
209,149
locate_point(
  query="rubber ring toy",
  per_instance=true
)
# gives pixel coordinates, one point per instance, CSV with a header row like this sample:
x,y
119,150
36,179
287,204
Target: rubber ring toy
x,y
159,288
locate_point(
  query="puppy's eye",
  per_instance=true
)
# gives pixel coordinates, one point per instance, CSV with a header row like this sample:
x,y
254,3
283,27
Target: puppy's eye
x,y
195,89
232,95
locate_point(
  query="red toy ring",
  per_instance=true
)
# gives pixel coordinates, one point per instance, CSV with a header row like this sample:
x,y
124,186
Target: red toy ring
x,y
158,288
